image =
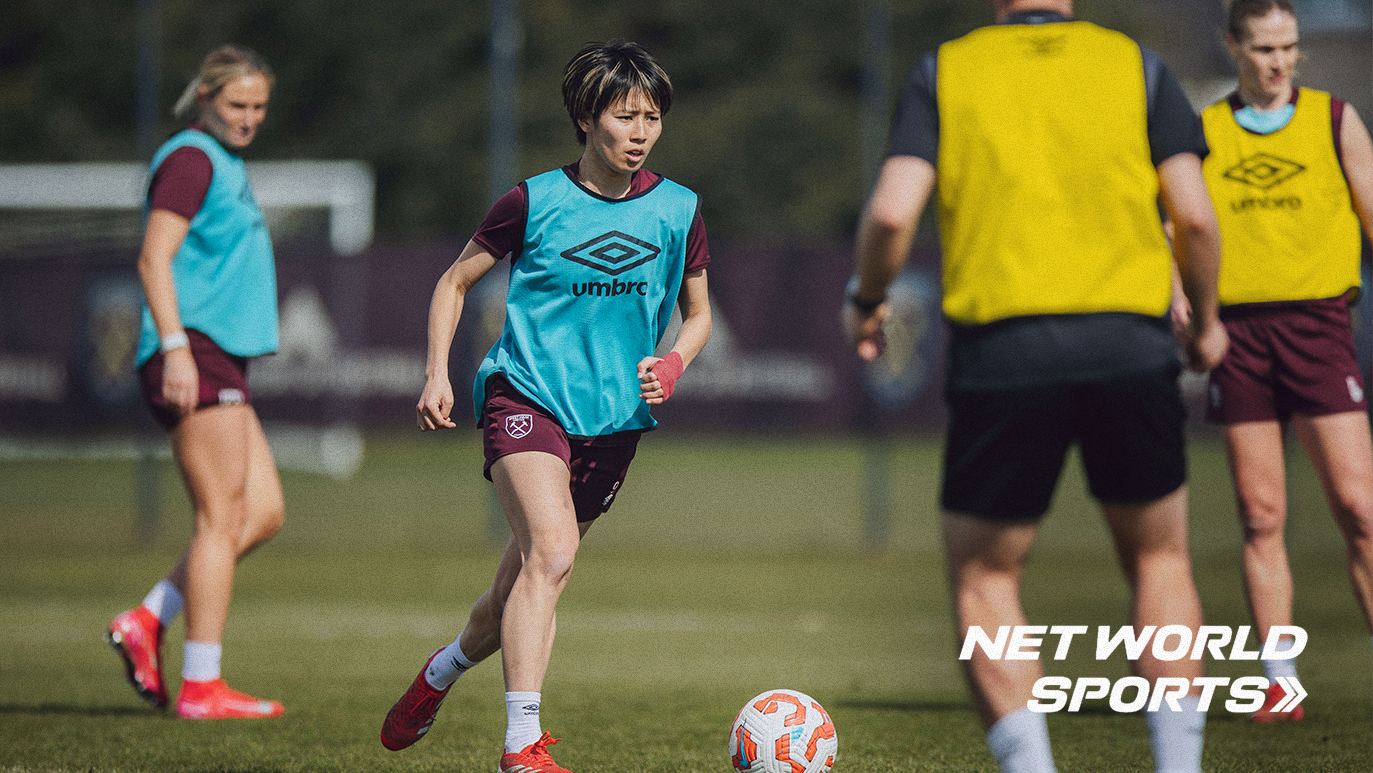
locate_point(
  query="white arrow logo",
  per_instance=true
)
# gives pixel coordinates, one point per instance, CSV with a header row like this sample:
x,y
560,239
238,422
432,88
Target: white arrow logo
x,y
1295,694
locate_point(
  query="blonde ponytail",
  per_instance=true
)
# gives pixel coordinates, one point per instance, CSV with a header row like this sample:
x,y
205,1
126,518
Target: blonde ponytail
x,y
224,65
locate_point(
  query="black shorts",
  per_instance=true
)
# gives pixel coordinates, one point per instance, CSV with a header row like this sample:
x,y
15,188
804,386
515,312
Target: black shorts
x,y
223,379
512,423
1005,449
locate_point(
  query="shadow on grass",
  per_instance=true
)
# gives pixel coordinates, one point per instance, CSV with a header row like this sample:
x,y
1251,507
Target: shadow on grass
x,y
67,709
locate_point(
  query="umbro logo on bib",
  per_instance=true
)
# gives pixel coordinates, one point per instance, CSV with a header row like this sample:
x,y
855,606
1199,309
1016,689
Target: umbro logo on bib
x,y
518,426
613,253
1264,171
1043,45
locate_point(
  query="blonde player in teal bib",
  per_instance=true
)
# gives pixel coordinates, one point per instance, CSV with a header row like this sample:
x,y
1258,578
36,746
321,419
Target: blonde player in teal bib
x,y
210,281
600,252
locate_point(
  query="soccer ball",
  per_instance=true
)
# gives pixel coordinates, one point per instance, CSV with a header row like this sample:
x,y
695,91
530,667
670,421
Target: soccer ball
x,y
782,731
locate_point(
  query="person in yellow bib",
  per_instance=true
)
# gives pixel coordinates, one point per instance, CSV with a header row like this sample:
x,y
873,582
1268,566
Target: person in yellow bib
x,y
1291,176
1052,141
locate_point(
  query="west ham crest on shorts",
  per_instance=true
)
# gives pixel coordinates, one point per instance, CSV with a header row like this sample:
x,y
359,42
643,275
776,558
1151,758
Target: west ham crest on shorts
x,y
518,426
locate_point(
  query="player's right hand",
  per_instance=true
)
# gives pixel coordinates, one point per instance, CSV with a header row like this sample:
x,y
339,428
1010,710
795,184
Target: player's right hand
x,y
180,380
1180,312
435,404
864,330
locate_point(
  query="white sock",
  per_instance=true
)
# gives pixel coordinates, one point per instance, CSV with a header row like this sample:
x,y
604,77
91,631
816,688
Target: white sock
x,y
1176,736
1020,743
1276,668
200,662
164,601
522,720
448,666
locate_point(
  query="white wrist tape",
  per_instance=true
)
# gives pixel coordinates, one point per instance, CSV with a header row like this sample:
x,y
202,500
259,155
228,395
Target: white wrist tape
x,y
175,341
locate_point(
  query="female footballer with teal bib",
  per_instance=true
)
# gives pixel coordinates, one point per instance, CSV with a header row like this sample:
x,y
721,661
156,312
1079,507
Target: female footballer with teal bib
x,y
600,252
210,281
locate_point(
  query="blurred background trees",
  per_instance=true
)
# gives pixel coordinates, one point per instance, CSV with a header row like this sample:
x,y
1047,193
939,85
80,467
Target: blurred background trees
x,y
765,124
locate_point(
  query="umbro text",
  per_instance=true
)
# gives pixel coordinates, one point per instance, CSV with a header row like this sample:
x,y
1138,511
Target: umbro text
x,y
1267,202
609,289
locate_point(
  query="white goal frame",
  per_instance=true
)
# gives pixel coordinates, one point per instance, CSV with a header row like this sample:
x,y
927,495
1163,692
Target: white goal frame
x,y
345,188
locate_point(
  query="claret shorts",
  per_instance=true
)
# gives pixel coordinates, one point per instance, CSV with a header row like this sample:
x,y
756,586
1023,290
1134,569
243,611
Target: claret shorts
x,y
512,423
223,379
1286,359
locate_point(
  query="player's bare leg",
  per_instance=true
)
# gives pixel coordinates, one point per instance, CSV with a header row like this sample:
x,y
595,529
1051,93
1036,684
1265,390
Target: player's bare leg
x,y
219,450
211,448
534,489
263,498
986,561
1151,543
481,638
1342,452
1255,451
137,634
410,718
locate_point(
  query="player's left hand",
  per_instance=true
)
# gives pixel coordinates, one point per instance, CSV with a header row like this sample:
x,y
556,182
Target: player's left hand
x,y
864,330
180,381
1207,345
658,377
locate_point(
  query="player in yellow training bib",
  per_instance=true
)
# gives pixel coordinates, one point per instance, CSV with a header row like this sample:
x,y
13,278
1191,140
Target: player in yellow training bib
x,y
1291,176
1052,141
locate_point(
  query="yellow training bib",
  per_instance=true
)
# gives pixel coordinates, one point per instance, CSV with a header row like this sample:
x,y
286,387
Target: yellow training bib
x,y
1287,222
1047,193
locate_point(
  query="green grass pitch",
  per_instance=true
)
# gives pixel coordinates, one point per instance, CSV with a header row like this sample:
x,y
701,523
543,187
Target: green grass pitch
x,y
728,566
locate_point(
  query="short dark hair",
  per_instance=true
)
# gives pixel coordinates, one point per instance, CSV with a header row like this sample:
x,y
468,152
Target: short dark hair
x,y
1240,11
603,73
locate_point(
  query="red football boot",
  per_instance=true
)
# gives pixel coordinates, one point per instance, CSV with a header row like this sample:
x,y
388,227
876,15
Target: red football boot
x,y
1265,715
216,700
534,758
136,637
410,718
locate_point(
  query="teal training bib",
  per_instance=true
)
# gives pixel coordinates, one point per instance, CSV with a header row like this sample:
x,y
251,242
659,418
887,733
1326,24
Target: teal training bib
x,y
591,293
224,273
